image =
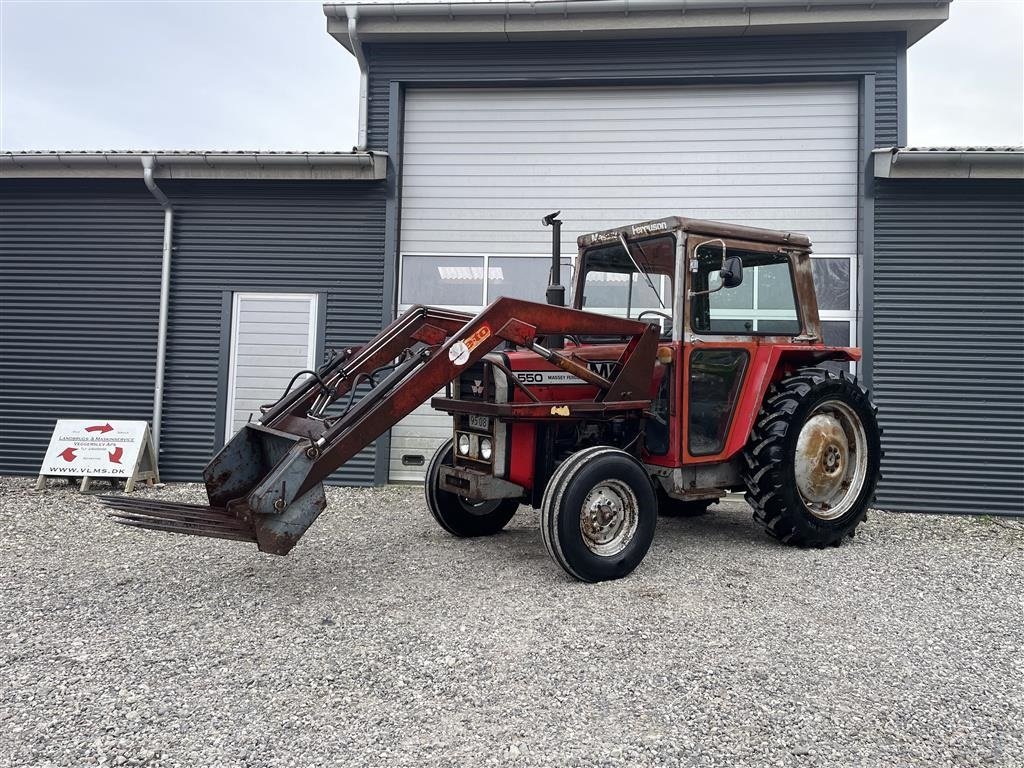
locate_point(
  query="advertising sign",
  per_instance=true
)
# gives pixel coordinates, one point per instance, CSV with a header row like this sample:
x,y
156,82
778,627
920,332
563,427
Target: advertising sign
x,y
97,449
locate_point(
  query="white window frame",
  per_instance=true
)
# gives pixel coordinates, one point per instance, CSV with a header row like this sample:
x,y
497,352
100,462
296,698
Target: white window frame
x,y
484,299
311,345
851,315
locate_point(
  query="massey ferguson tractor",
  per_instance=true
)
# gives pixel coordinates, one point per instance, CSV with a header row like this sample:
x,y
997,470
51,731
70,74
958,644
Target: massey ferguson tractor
x,y
691,365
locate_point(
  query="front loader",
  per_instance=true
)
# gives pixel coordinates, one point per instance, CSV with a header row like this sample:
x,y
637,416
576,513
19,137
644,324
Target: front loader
x,y
691,365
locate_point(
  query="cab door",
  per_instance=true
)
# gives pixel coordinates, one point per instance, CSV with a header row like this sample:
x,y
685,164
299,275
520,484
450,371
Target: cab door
x,y
728,332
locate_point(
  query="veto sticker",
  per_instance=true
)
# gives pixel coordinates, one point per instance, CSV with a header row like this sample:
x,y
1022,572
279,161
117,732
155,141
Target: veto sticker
x,y
458,353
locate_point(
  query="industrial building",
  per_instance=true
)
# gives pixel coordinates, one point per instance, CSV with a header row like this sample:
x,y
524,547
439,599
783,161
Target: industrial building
x,y
478,118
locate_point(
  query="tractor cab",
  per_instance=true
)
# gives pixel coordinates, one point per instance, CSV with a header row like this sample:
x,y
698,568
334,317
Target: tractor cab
x,y
701,280
731,302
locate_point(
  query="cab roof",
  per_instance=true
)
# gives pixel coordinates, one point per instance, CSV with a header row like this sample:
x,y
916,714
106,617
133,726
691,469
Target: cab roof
x,y
696,226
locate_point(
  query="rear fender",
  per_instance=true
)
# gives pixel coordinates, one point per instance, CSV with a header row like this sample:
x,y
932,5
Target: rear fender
x,y
769,364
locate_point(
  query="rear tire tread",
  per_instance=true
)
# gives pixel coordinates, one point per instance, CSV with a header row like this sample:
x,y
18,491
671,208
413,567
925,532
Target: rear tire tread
x,y
764,460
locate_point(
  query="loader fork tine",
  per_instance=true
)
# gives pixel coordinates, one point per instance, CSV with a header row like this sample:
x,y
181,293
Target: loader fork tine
x,y
175,517
126,501
235,525
202,514
184,528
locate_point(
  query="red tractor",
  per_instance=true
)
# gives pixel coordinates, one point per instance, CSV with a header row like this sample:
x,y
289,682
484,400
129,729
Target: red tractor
x,y
691,365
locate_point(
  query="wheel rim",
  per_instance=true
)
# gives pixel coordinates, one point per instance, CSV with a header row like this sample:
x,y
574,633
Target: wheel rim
x,y
831,461
609,517
479,508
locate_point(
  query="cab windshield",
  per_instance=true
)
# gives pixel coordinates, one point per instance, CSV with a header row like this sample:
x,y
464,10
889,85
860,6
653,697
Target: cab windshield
x,y
612,284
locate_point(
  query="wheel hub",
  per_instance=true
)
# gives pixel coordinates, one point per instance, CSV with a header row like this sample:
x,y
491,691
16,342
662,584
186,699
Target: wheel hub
x,y
609,517
830,464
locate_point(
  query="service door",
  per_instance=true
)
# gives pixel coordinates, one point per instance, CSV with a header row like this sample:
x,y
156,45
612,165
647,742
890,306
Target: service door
x,y
482,166
273,335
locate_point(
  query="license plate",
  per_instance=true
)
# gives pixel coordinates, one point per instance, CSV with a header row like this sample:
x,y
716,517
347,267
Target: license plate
x,y
479,422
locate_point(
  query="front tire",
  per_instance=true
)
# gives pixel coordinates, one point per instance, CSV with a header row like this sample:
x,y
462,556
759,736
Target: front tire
x,y
598,514
460,516
812,462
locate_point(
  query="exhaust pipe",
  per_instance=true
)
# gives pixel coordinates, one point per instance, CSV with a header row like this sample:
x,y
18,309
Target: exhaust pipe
x,y
556,291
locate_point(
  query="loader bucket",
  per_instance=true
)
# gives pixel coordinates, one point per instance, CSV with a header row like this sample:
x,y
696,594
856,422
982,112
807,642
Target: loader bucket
x,y
235,474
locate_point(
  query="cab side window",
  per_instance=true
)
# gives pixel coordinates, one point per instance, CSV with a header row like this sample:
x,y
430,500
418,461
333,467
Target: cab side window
x,y
764,303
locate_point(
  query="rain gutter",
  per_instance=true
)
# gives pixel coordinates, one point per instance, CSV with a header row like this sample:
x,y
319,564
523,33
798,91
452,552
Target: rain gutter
x,y
165,290
352,14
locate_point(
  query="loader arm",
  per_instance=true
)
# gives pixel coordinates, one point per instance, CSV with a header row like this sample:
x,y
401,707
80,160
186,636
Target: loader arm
x,y
266,484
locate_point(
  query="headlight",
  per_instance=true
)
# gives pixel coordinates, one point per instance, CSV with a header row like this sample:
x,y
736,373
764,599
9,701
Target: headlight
x,y
486,448
464,445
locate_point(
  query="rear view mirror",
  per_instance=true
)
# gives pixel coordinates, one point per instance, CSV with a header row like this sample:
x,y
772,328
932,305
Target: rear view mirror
x,y
729,276
732,271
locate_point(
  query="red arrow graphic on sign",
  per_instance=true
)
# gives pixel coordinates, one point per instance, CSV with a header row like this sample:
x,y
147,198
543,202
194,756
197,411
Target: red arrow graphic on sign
x,y
100,428
68,454
116,454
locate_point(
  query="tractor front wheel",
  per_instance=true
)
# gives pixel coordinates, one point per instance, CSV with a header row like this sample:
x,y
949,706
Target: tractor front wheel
x,y
598,514
460,516
813,458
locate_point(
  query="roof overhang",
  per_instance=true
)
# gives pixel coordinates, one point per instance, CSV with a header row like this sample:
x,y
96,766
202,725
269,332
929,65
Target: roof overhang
x,y
309,166
912,163
507,20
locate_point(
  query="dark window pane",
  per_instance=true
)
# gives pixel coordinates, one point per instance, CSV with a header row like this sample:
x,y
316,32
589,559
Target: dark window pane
x,y
715,377
779,327
444,280
656,430
836,333
832,282
734,326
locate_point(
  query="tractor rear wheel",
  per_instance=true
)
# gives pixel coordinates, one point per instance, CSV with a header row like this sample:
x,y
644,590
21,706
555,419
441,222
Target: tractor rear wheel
x,y
458,515
598,514
813,458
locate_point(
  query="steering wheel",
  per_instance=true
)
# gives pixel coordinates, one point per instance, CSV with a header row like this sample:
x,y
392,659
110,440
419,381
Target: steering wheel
x,y
654,312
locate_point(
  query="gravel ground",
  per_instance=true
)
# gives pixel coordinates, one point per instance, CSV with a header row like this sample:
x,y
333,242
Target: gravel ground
x,y
383,641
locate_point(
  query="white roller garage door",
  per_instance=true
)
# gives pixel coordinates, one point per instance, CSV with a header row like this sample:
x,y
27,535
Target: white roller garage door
x,y
482,166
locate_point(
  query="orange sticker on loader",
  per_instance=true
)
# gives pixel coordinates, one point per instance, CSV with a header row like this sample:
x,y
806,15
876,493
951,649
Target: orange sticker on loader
x,y
459,351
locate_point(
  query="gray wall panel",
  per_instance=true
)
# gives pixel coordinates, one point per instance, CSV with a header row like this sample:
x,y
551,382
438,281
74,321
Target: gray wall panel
x,y
949,344
279,236
80,266
724,58
79,295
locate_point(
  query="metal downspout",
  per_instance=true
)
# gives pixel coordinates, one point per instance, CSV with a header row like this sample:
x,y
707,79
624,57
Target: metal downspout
x,y
165,289
352,13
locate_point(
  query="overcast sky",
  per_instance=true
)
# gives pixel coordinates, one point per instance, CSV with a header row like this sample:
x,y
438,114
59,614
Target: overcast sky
x,y
251,75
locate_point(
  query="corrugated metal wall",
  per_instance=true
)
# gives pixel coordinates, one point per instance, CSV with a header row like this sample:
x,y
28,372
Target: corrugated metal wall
x,y
949,344
79,293
281,236
616,60
85,257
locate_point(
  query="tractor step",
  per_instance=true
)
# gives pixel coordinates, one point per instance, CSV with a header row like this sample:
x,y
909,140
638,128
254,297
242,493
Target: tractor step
x,y
173,517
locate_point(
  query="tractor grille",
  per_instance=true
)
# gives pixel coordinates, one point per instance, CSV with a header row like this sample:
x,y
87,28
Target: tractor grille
x,y
476,384
481,383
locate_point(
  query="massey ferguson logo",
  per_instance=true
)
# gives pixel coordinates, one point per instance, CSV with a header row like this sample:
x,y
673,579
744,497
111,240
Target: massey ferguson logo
x,y
477,387
605,368
646,229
